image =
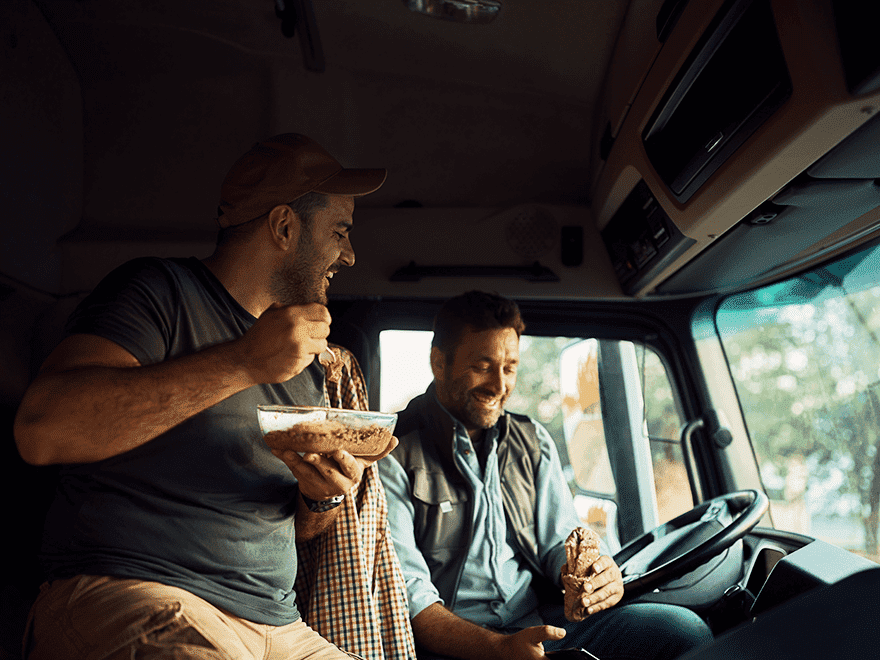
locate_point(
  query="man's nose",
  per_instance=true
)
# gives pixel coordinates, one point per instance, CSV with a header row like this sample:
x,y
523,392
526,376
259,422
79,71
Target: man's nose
x,y
496,381
346,255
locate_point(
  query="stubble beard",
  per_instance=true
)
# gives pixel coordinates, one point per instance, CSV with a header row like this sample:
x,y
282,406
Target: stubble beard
x,y
298,281
468,412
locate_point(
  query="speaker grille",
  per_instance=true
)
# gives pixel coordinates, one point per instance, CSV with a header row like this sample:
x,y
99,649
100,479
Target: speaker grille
x,y
532,232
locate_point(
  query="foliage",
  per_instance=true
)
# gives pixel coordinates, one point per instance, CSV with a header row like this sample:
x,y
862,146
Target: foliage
x,y
807,377
537,391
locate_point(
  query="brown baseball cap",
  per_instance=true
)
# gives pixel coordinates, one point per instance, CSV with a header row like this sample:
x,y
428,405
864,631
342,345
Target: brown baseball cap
x,y
283,168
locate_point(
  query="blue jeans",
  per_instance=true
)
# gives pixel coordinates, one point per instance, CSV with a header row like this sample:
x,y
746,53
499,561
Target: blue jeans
x,y
640,631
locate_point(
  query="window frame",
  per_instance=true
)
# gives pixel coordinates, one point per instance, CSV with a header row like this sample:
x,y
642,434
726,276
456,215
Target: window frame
x,y
665,328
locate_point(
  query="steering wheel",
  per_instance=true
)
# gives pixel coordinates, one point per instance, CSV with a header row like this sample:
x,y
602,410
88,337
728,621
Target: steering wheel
x,y
689,540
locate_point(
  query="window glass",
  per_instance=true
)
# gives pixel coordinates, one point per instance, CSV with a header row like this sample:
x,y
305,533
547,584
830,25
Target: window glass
x,y
805,357
559,385
583,430
664,425
406,367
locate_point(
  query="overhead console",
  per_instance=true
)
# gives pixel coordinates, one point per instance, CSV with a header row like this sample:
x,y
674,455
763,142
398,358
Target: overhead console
x,y
641,238
734,79
742,99
800,222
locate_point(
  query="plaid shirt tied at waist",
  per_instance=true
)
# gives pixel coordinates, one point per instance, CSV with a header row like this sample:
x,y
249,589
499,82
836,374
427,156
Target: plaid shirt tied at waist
x,y
350,588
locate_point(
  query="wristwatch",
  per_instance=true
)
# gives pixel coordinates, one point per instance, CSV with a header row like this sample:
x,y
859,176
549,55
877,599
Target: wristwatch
x,y
320,506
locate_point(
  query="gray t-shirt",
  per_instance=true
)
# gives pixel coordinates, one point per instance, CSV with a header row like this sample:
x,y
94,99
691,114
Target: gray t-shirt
x,y
204,506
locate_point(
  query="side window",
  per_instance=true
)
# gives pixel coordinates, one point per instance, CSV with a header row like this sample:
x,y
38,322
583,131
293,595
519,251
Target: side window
x,y
406,368
564,383
664,424
629,388
586,452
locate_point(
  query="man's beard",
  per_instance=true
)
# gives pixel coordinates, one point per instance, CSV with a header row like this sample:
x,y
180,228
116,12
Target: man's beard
x,y
467,411
299,281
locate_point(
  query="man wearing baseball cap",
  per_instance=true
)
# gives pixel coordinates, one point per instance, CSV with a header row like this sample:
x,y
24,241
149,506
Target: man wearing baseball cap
x,y
173,529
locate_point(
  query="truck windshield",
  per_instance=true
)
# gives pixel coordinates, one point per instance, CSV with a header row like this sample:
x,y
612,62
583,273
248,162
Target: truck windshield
x,y
805,357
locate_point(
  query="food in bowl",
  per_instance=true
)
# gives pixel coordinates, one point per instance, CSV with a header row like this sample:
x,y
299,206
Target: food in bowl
x,y
324,430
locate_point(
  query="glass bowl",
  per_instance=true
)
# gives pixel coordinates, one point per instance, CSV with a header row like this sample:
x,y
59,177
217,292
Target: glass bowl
x,y
324,430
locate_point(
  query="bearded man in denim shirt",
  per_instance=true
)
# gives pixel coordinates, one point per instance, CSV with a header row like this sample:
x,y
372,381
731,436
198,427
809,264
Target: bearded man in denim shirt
x,y
479,511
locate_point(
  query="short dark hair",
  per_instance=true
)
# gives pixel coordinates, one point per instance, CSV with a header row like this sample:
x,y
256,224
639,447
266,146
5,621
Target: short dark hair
x,y
305,207
474,310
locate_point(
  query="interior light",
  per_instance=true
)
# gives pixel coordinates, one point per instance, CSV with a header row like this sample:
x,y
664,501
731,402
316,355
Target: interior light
x,y
461,11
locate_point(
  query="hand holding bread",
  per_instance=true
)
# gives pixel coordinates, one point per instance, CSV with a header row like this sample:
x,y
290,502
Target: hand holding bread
x,y
582,550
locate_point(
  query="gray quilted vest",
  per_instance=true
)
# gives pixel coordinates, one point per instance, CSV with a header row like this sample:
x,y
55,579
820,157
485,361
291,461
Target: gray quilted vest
x,y
442,497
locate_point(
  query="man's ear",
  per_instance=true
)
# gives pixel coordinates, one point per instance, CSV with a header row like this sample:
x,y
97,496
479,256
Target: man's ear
x,y
438,362
284,226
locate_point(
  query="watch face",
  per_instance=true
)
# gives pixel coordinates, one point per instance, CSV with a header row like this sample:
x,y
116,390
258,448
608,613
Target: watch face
x,y
319,506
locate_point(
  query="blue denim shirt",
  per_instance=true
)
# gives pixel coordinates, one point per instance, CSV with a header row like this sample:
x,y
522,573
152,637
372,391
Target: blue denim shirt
x,y
495,588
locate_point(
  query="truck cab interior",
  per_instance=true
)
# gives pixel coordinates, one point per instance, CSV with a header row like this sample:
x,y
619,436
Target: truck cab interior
x,y
682,196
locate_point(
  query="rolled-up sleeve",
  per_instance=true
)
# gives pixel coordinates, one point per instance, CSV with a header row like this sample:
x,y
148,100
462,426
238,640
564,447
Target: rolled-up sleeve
x,y
401,514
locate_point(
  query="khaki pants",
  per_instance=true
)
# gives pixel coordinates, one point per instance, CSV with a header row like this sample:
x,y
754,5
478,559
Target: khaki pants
x,y
106,618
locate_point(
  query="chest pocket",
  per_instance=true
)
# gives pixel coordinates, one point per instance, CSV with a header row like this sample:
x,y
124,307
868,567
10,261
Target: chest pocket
x,y
441,510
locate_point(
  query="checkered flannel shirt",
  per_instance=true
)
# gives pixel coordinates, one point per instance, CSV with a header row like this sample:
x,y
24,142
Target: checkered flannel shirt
x,y
350,588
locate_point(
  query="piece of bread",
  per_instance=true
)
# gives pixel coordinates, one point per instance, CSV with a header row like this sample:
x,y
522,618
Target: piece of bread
x,y
575,589
581,550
